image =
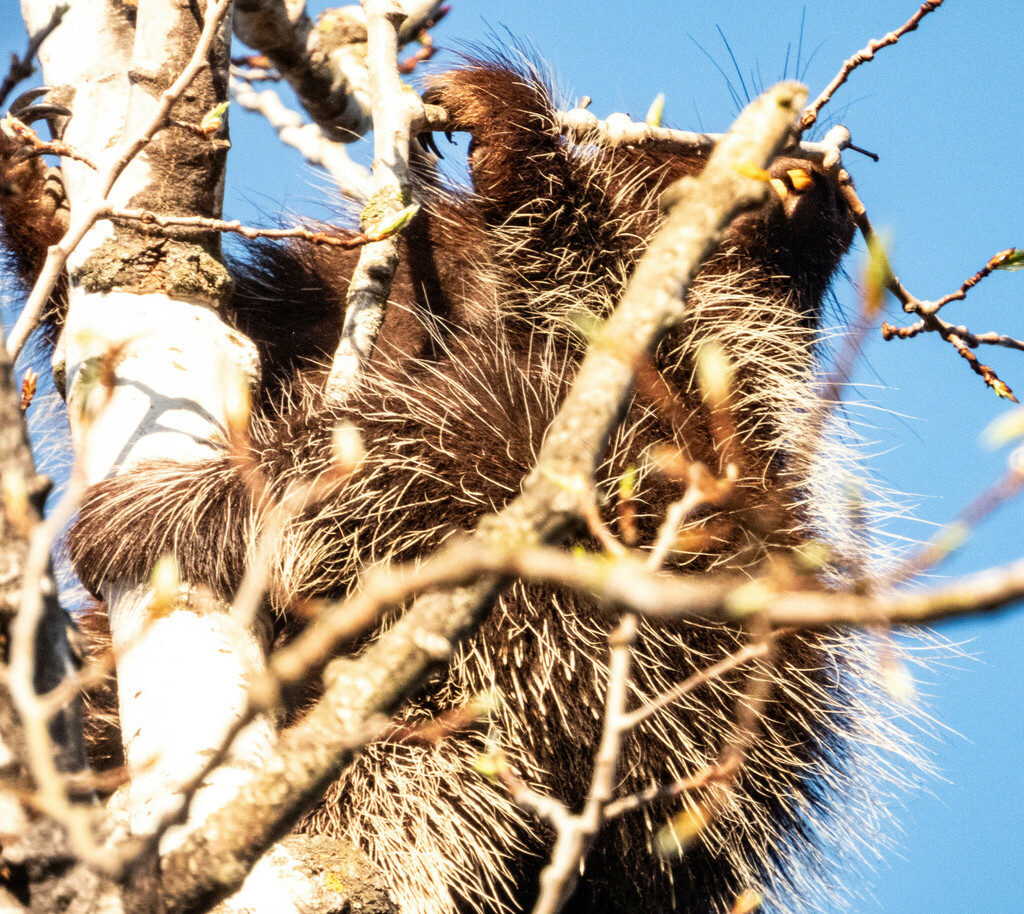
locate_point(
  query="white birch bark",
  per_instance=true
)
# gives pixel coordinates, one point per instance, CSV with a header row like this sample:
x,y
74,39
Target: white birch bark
x,y
172,365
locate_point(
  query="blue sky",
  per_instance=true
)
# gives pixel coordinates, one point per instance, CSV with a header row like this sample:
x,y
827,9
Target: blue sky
x,y
942,109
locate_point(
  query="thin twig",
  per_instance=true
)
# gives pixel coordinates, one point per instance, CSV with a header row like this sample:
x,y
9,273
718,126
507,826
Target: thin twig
x,y
953,534
347,241
702,489
655,792
991,338
576,835
626,584
994,263
352,179
37,146
745,654
723,773
810,114
963,342
33,710
545,808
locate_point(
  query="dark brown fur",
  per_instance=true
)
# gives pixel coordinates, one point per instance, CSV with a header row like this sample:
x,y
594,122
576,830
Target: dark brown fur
x,y
33,216
476,352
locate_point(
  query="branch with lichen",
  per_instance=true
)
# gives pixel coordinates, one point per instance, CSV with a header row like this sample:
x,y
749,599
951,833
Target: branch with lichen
x,y
396,113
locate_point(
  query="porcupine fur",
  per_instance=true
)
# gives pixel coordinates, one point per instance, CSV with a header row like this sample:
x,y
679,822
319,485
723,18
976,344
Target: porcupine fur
x,y
478,348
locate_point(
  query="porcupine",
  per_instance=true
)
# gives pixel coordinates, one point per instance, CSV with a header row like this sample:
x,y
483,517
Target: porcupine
x,y
479,344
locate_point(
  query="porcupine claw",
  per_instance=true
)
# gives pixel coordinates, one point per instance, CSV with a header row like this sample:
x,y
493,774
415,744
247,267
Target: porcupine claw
x,y
429,144
55,114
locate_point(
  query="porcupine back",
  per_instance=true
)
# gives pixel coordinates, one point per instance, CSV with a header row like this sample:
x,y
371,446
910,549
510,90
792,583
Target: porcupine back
x,y
478,348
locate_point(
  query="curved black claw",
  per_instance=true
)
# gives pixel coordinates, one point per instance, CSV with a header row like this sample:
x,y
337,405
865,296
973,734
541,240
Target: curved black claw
x,y
42,112
429,144
26,99
55,114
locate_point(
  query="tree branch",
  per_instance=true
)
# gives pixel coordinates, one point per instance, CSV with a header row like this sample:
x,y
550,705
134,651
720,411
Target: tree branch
x,y
395,111
352,179
861,57
324,63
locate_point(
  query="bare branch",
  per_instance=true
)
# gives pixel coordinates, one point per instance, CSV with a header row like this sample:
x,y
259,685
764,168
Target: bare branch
x,y
34,711
352,180
863,56
395,110
38,146
745,654
930,321
583,127
325,64
345,241
996,262
575,837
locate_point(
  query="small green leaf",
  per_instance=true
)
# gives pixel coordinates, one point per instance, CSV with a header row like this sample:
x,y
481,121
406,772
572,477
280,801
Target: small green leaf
x,y
1013,259
627,483
586,322
88,377
680,832
1008,427
747,902
656,111
165,580
899,682
813,556
213,118
486,765
753,597
714,374
392,224
878,274
347,447
1002,390
950,538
